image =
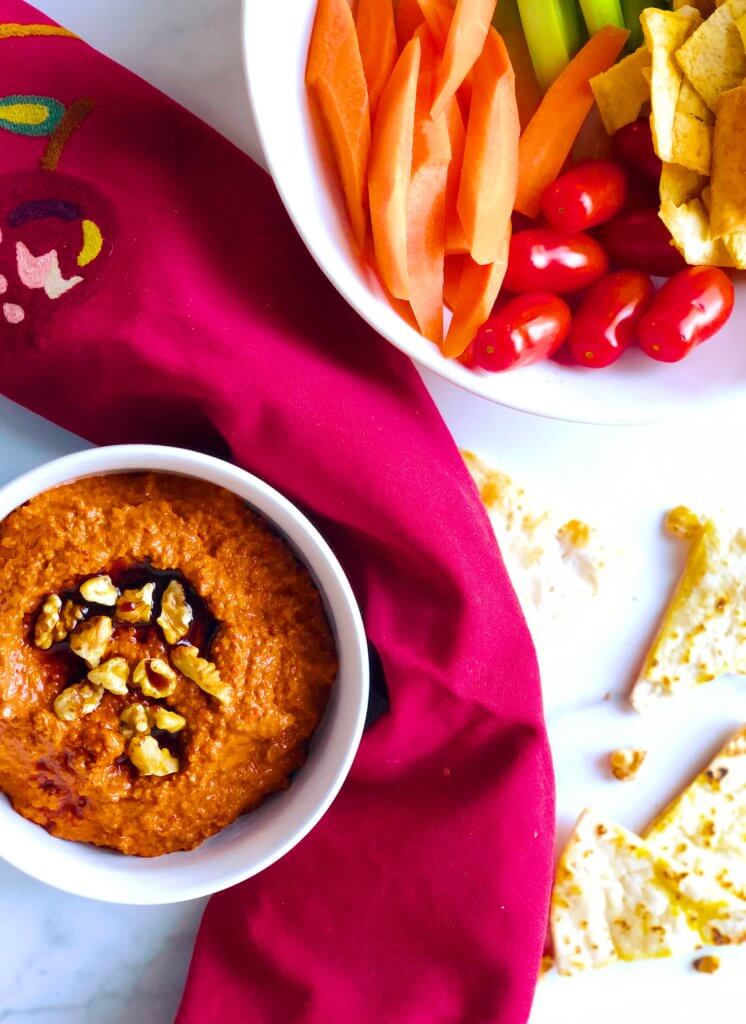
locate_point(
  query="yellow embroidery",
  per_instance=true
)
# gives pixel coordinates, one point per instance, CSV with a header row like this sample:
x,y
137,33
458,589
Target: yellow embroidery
x,y
93,241
25,113
14,31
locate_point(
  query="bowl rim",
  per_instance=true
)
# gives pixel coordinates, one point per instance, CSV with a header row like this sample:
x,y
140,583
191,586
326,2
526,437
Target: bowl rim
x,y
559,403
350,693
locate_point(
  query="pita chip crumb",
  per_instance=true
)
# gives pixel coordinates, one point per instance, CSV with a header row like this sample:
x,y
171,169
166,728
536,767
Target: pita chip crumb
x,y
707,964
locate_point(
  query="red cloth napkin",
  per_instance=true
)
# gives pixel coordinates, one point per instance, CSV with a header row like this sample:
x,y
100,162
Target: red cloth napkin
x,y
154,290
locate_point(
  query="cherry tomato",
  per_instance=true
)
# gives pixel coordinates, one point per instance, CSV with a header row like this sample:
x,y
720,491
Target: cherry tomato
x,y
605,324
544,260
639,240
523,331
633,145
689,308
589,194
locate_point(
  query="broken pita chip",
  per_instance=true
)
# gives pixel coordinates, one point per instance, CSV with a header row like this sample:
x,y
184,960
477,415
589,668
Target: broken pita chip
x,y
623,90
713,58
690,229
728,207
703,632
665,32
740,24
692,131
678,185
704,829
735,242
614,899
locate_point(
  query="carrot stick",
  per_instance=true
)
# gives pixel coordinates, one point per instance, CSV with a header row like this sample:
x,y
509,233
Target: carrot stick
x,y
390,169
466,35
478,289
336,82
377,40
431,155
456,240
552,130
453,269
408,20
489,177
438,14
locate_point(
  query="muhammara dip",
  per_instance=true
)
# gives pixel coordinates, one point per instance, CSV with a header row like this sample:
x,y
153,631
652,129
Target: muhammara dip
x,y
164,659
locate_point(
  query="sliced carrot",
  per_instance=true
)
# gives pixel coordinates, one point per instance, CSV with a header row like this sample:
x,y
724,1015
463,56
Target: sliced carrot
x,y
507,21
390,168
377,40
489,177
336,81
438,14
453,269
478,289
455,235
466,37
551,132
408,20
426,204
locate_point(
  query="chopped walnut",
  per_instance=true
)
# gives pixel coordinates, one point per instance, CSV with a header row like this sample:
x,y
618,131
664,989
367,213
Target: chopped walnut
x,y
134,721
187,660
149,758
155,677
112,675
79,699
70,616
176,614
91,639
626,762
168,721
99,590
136,606
707,964
47,620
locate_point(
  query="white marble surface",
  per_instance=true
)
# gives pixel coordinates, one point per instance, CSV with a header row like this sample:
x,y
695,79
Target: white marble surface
x,y
68,961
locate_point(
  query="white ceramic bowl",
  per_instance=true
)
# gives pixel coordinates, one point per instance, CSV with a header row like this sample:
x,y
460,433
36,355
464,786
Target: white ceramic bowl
x,y
256,840
636,390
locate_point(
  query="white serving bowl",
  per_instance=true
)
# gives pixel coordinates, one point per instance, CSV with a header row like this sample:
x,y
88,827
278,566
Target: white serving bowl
x,y
258,839
636,390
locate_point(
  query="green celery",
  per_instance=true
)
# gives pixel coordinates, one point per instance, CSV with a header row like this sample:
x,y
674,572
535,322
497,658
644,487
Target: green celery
x,y
554,33
632,9
598,13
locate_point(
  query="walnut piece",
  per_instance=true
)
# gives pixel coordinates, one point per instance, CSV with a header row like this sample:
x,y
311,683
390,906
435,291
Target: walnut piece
x,y
176,614
187,660
134,721
149,758
79,699
99,590
136,606
168,721
91,639
47,620
70,616
112,675
626,762
155,677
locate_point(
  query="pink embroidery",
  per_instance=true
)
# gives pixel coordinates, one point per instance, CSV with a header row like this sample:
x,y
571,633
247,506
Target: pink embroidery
x,y
43,272
13,313
3,284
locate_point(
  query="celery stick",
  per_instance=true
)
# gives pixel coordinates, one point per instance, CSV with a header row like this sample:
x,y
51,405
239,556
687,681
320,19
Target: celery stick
x,y
598,13
554,33
632,9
